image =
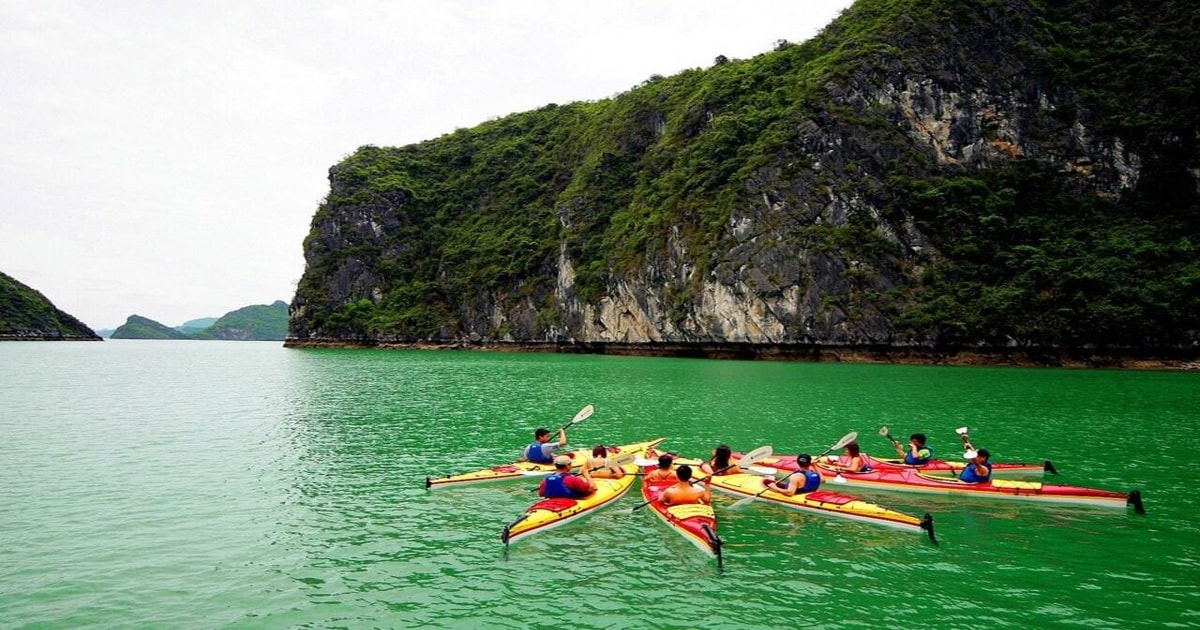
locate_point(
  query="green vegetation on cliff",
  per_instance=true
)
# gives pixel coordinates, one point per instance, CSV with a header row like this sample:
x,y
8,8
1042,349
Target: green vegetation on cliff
x,y
138,327
260,322
27,314
1068,238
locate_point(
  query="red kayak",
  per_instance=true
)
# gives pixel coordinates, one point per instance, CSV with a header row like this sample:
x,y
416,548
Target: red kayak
x,y
694,521
934,466
903,479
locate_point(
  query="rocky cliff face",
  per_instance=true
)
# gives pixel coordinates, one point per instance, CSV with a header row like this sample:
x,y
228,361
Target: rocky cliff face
x,y
821,246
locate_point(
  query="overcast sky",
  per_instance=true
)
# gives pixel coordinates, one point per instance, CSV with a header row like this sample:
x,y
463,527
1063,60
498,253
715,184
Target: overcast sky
x,y
164,158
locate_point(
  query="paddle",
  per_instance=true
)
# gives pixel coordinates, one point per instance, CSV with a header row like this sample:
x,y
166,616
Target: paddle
x,y
883,430
583,414
846,439
745,460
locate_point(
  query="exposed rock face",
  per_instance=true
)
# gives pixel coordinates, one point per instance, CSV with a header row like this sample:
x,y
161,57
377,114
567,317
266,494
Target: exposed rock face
x,y
777,273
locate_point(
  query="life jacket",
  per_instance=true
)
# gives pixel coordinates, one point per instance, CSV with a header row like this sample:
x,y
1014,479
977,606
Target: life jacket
x,y
918,461
968,474
556,488
534,453
812,481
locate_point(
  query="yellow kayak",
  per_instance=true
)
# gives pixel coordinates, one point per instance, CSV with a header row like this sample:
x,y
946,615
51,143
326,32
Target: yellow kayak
x,y
617,454
824,502
550,513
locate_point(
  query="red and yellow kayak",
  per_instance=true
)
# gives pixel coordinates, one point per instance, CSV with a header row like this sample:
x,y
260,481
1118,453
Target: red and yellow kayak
x,y
550,513
694,521
910,480
618,454
934,466
824,502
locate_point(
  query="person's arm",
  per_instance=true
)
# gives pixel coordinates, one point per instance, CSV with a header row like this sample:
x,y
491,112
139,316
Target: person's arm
x,y
899,449
708,490
542,489
562,437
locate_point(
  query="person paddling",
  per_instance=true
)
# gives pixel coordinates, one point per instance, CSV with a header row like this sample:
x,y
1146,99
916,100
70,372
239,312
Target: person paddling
x,y
541,451
684,492
804,480
562,483
978,468
917,453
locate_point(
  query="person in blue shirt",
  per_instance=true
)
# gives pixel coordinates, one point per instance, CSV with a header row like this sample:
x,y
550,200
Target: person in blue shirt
x,y
978,468
917,453
804,480
541,451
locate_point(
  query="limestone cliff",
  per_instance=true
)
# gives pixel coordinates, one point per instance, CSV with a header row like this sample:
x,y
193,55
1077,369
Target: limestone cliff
x,y
930,174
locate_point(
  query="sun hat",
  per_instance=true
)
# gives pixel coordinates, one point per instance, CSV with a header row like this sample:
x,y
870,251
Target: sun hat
x,y
562,460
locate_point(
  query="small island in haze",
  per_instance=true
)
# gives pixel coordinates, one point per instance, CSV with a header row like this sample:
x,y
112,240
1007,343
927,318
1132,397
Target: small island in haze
x,y
260,322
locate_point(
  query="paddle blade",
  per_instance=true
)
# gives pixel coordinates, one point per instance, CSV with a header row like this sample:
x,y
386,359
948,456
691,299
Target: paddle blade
x,y
740,503
961,430
765,471
846,439
583,414
839,479
755,455
883,430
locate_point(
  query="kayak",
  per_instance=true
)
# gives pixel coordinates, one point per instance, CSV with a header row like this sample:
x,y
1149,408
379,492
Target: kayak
x,y
618,454
694,521
550,513
909,480
824,502
934,466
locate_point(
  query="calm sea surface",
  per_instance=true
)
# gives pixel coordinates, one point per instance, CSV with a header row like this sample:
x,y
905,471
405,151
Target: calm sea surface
x,y
243,485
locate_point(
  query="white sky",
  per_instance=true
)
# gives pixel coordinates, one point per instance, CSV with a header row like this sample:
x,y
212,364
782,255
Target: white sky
x,y
165,157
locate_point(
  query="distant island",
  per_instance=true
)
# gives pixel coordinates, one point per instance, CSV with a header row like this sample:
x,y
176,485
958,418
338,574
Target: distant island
x,y
260,322
26,315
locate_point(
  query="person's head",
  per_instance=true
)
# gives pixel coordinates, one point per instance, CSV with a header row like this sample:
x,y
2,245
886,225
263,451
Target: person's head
x,y
918,439
721,455
684,472
562,462
542,434
852,449
664,461
599,451
804,460
983,455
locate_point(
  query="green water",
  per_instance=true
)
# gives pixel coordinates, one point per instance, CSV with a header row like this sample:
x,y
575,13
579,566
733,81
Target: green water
x,y
243,485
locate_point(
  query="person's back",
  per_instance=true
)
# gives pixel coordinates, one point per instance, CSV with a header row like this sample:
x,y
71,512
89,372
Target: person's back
x,y
684,492
562,484
663,473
